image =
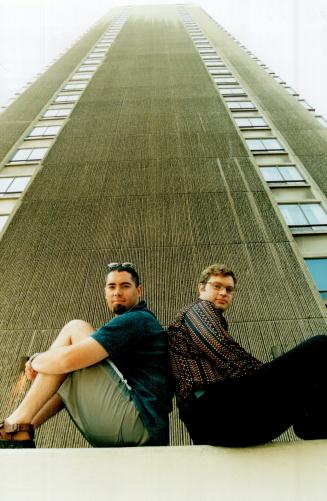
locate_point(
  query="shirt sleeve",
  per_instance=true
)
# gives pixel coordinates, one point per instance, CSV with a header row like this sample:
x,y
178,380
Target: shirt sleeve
x,y
205,326
119,336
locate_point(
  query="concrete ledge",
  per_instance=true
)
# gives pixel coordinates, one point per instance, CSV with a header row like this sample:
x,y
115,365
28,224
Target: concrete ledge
x,y
274,472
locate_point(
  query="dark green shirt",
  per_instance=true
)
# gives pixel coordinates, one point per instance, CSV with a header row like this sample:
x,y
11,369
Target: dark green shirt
x,y
137,345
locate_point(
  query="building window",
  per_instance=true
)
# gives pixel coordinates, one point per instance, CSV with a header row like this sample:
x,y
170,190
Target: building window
x,y
305,217
225,80
96,57
209,60
45,131
92,61
264,144
318,270
57,112
81,76
232,91
67,99
241,105
219,71
29,154
3,220
282,174
251,123
75,86
207,51
13,184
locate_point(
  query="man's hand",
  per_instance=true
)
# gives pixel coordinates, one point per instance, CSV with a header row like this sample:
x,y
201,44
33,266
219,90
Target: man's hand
x,y
30,373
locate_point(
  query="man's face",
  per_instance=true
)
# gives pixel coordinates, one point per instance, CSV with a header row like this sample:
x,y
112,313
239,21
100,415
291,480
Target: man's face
x,y
121,292
219,290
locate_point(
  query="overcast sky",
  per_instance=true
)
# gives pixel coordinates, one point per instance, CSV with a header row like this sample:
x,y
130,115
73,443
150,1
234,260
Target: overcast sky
x,y
288,35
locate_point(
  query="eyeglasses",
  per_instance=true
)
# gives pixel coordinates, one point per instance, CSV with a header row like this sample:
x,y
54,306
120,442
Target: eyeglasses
x,y
219,288
112,266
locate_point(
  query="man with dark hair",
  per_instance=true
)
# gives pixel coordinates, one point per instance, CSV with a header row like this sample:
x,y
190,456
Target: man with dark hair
x,y
113,381
228,397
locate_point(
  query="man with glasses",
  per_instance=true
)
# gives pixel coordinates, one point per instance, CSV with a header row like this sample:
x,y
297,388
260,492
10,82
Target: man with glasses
x,y
113,381
228,397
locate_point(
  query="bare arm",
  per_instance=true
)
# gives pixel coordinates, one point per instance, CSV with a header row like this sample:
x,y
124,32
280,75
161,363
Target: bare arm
x,y
65,359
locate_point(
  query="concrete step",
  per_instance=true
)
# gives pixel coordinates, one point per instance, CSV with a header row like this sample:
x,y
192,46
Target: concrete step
x,y
274,472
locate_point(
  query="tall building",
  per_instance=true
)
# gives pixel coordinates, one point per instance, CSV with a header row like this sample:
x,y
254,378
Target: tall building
x,y
158,139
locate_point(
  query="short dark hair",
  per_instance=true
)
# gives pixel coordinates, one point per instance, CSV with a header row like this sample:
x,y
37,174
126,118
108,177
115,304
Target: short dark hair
x,y
216,269
129,267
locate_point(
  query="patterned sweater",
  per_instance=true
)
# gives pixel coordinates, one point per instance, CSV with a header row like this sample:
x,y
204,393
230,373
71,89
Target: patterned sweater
x,y
202,351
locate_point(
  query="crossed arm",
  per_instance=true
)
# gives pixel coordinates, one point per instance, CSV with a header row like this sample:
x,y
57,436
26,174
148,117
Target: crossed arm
x,y
65,359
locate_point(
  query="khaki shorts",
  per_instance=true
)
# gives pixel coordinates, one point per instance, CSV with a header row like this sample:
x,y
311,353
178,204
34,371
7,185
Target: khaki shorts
x,y
100,404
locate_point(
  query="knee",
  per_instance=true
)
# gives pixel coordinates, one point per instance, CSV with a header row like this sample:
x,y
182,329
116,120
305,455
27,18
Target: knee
x,y
78,324
77,330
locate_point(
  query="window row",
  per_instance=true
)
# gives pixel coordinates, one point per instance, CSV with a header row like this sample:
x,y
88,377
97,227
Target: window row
x,y
300,217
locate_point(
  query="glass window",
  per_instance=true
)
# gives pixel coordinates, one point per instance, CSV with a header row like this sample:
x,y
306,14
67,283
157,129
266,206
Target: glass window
x,y
307,216
219,71
37,153
92,61
57,112
225,80
98,57
264,144
45,131
5,182
244,105
67,99
18,184
207,51
232,91
3,220
37,131
281,173
75,86
252,122
29,154
318,270
88,67
81,76
212,60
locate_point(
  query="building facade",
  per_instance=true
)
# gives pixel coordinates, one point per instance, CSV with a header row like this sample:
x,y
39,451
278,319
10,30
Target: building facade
x,y
158,139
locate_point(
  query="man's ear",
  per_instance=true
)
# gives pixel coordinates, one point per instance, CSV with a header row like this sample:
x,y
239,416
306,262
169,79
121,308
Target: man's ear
x,y
201,287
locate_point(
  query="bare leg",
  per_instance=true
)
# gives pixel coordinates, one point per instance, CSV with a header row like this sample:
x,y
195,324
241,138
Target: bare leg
x,y
49,409
41,401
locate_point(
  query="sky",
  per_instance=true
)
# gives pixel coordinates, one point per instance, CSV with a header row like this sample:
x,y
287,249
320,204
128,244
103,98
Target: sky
x,y
290,36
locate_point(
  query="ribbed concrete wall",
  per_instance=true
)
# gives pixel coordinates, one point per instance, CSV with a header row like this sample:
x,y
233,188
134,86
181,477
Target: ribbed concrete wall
x,y
149,168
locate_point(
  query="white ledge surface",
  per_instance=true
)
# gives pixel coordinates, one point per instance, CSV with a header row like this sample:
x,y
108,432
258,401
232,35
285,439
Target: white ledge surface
x,y
274,472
